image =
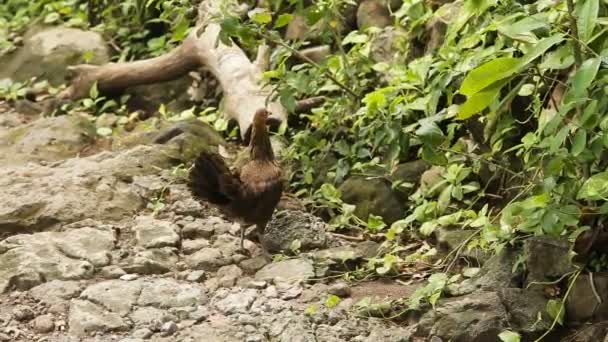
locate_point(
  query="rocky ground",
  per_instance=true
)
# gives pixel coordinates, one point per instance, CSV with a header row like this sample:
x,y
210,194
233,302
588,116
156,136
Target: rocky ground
x,y
112,247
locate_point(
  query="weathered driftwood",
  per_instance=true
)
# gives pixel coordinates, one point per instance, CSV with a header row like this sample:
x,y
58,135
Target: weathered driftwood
x,y
239,77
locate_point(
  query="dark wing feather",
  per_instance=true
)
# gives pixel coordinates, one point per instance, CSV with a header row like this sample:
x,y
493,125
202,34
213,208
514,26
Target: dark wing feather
x,y
211,180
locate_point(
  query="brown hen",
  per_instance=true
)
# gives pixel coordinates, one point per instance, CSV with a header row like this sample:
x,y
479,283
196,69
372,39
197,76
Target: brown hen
x,y
248,194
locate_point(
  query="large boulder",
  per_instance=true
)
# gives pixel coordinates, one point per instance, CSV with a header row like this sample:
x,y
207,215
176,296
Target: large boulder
x,y
46,139
27,260
46,53
103,186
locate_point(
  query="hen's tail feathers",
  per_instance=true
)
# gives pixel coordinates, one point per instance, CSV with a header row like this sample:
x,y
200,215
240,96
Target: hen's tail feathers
x,y
211,180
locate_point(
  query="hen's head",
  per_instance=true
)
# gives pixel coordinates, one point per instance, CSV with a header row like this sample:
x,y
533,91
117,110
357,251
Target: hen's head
x,y
260,117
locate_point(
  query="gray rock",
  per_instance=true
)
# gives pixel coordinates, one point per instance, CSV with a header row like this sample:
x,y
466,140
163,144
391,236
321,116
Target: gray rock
x,y
362,250
47,51
373,13
37,197
115,295
582,305
168,329
129,277
373,196
290,270
168,293
196,276
23,313
56,291
250,266
198,229
200,314
193,246
147,315
473,318
207,259
340,289
142,333
153,261
288,226
153,233
112,272
24,259
228,275
86,317
546,258
524,307
43,324
46,139
388,45
237,302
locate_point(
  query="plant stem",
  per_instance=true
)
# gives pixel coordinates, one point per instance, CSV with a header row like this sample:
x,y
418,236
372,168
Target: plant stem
x,y
578,59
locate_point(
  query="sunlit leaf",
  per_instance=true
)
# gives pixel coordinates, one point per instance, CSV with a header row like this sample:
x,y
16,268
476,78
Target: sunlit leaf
x,y
509,336
487,74
586,18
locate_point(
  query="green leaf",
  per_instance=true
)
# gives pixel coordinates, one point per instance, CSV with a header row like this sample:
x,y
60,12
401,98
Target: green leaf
x,y
555,309
430,133
355,37
595,187
487,74
332,301
94,92
261,17
479,101
586,18
582,79
509,336
579,142
283,20
539,49
375,223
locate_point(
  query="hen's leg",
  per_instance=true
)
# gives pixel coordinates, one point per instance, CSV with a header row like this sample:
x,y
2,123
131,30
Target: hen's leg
x,y
260,233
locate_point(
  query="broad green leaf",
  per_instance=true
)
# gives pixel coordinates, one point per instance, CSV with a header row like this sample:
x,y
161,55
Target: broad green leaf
x,y
586,18
579,142
355,37
538,50
582,79
509,336
560,58
555,309
595,187
521,30
375,223
479,101
430,133
487,74
283,20
261,17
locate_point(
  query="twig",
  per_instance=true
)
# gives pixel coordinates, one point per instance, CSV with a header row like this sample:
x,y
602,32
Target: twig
x,y
561,307
311,62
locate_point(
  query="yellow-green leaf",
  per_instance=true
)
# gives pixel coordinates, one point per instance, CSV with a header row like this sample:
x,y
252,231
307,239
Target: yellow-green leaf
x,y
479,101
488,73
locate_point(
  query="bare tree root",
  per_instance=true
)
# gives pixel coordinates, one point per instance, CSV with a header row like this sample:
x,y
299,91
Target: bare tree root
x,y
239,77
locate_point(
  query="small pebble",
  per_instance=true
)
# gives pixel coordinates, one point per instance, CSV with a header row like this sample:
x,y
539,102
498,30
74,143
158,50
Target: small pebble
x,y
44,324
143,333
129,277
168,328
340,289
196,276
23,313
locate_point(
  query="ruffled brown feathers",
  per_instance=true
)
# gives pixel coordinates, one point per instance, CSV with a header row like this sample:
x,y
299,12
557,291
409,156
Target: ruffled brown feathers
x,y
249,194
